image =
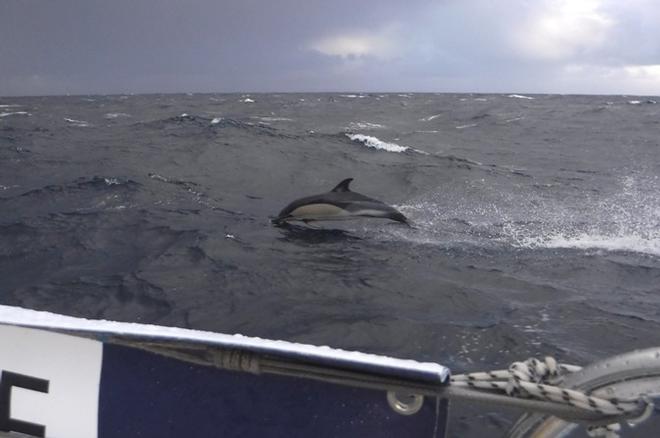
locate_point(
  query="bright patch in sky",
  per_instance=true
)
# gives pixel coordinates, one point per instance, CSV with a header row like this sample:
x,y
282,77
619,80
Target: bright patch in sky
x,y
651,72
380,44
562,29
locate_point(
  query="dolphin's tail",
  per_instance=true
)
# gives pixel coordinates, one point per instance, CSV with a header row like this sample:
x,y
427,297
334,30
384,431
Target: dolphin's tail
x,y
399,217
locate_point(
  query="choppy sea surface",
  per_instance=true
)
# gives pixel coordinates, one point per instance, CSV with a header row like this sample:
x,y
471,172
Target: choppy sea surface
x,y
537,221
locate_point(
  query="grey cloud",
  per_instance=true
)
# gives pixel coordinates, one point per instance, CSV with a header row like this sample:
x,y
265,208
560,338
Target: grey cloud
x,y
90,46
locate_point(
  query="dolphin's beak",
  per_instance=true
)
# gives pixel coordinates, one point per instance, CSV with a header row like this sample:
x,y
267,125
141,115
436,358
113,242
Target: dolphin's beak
x,y
278,221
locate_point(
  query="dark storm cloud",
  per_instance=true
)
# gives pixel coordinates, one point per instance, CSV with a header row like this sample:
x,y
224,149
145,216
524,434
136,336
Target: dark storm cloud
x,y
88,46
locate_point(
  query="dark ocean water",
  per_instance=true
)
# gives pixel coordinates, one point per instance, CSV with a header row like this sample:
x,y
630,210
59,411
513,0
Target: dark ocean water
x,y
538,221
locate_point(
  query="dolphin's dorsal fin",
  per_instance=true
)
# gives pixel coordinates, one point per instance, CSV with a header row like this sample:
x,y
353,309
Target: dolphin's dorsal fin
x,y
343,186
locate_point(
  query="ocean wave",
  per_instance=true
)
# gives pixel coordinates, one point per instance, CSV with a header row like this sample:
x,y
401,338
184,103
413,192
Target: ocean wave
x,y
272,119
98,182
193,191
375,143
9,105
520,96
178,182
182,125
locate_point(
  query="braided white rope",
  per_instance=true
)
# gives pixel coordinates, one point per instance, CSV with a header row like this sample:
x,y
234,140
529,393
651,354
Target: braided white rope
x,y
533,379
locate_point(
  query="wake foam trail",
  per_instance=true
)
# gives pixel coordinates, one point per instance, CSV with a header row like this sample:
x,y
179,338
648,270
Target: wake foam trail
x,y
627,221
625,243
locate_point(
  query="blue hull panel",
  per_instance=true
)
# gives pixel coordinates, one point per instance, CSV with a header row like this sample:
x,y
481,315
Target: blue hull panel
x,y
147,395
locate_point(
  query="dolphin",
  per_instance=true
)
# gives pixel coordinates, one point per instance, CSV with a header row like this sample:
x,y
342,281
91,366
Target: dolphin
x,y
337,204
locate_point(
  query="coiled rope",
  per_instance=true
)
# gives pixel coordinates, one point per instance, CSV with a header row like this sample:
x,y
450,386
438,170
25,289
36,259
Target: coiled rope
x,y
538,380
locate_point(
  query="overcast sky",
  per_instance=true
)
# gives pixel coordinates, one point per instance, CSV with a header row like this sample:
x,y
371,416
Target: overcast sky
x,y
522,46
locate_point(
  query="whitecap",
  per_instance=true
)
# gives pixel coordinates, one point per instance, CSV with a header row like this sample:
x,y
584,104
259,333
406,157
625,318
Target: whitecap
x,y
273,119
520,96
15,113
216,120
247,100
78,123
365,125
375,143
158,177
471,125
429,118
9,105
115,115
111,181
634,102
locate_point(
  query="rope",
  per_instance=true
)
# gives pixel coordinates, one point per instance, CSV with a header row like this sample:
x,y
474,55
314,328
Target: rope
x,y
537,379
236,360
